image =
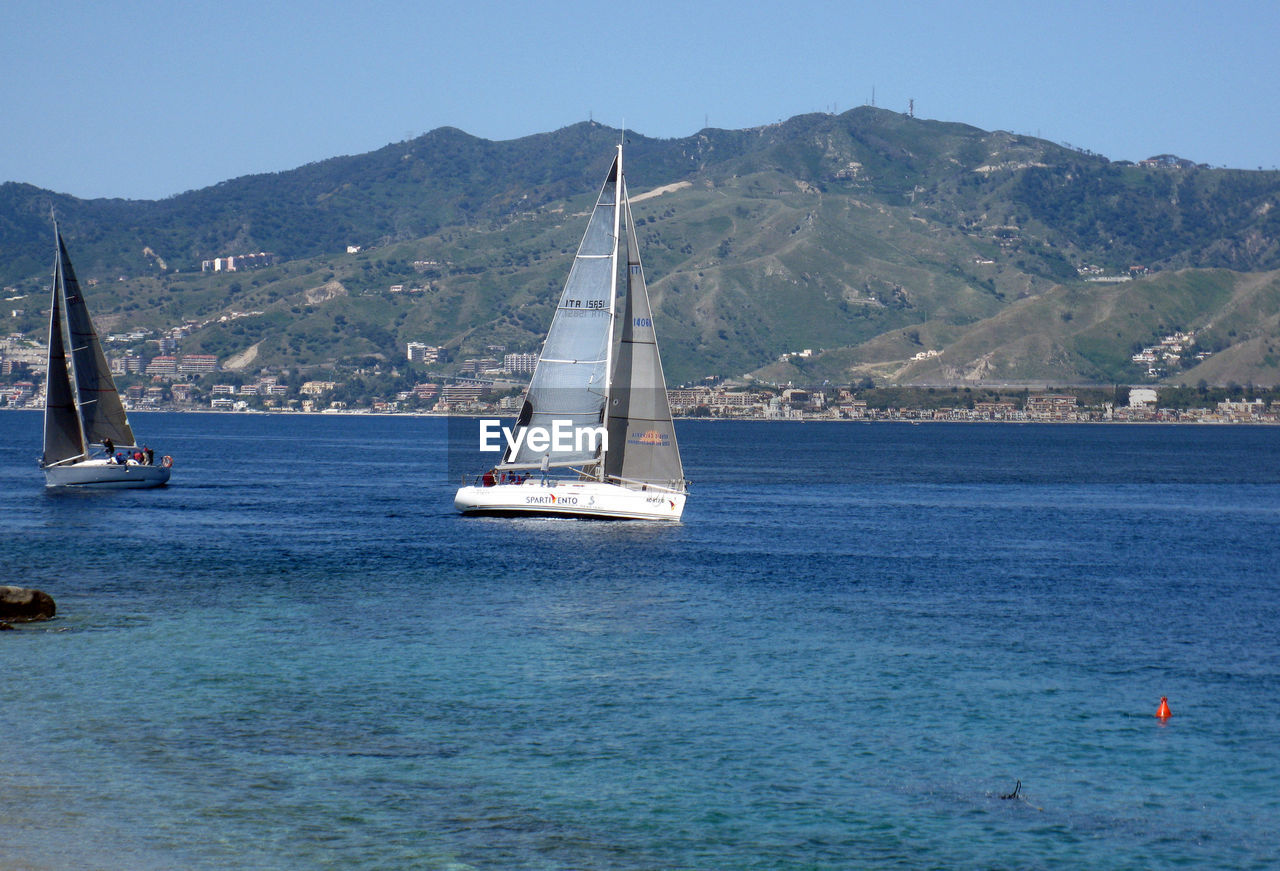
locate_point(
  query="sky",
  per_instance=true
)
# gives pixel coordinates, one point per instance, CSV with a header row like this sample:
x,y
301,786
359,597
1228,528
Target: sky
x,y
144,100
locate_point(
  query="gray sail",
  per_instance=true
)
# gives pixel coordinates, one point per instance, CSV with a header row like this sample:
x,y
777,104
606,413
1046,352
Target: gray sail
x,y
642,437
566,394
63,439
102,415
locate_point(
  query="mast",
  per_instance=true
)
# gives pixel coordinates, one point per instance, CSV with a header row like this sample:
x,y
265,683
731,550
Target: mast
x,y
618,189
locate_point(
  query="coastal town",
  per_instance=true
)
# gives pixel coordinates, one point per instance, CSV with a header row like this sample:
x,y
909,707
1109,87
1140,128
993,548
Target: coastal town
x,y
153,373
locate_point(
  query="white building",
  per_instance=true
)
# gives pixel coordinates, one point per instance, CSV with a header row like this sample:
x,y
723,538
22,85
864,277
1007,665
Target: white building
x,y
516,364
1142,396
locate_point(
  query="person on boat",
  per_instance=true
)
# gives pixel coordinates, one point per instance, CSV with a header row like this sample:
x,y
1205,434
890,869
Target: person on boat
x,y
151,456
546,465
487,478
108,447
119,460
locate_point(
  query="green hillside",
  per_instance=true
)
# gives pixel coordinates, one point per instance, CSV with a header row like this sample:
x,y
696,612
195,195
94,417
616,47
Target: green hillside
x,y
866,238
1087,334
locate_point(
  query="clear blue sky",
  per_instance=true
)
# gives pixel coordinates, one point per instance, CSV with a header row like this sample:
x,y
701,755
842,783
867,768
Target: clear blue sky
x,y
148,99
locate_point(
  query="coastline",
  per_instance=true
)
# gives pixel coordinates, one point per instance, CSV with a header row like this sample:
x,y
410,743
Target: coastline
x,y
923,416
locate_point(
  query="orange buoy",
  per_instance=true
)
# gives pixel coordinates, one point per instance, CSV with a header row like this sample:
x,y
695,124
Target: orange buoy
x,y
1163,711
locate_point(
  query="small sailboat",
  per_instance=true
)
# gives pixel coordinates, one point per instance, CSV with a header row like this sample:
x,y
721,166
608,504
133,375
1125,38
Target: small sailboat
x,y
594,437
84,421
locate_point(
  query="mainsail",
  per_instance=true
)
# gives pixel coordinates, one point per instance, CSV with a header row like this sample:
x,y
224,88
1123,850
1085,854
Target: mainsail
x,y
63,439
78,375
569,384
642,437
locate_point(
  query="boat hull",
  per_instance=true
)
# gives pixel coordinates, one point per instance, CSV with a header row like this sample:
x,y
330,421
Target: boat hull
x,y
585,499
99,474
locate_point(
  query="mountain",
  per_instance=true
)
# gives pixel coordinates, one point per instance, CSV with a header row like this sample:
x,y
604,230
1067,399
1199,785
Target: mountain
x,y
901,249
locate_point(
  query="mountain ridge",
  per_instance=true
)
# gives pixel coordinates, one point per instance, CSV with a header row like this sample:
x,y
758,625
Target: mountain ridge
x,y
842,234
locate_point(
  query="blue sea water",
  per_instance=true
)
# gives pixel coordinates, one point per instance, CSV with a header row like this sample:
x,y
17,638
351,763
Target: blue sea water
x,y
861,636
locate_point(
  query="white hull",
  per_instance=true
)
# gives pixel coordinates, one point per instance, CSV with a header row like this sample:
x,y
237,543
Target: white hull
x,y
100,474
588,499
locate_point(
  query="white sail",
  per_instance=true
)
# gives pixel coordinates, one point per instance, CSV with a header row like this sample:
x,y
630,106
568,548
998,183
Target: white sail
x,y
567,391
642,437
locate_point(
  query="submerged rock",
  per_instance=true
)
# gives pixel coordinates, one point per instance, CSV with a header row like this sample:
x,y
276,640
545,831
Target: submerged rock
x,y
20,605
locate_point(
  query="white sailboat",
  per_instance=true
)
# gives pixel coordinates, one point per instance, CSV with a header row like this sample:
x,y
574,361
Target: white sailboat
x,y
594,437
84,421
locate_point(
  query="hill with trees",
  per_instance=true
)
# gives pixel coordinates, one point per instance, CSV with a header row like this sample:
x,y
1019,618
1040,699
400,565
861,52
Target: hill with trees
x,y
886,247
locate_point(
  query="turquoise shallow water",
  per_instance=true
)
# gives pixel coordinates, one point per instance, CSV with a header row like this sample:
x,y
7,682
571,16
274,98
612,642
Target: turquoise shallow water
x,y
297,656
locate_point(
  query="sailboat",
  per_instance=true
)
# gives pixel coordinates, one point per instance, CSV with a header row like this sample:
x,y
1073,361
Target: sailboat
x,y
84,421
594,437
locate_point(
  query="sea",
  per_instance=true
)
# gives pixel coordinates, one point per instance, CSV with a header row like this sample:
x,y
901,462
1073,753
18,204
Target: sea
x,y
866,646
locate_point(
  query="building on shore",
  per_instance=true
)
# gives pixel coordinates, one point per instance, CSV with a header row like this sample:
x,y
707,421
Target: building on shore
x,y
1051,406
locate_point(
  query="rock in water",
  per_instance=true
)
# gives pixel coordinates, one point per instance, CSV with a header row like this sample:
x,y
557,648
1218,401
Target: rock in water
x,y
20,605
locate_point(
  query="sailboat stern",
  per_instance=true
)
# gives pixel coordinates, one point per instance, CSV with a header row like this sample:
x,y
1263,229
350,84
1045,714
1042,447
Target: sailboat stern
x,y
101,475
